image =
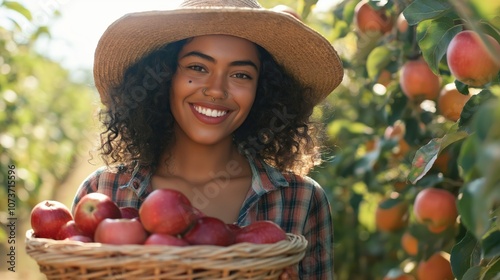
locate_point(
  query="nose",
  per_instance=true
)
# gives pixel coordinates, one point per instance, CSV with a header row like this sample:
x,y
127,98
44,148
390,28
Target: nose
x,y
216,86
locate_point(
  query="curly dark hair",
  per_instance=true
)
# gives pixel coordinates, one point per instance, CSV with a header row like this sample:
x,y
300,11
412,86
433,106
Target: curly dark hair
x,y
139,125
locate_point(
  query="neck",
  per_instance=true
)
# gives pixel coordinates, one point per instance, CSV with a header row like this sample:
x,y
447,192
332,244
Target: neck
x,y
199,163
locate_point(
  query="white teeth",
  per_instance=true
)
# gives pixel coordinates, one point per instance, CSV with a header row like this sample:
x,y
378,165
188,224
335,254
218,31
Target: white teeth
x,y
210,112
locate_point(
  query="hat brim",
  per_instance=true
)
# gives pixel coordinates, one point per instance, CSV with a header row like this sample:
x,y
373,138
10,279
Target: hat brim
x,y
306,55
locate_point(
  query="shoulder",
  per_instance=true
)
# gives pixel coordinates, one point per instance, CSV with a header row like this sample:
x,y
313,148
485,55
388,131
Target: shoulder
x,y
110,172
303,182
107,179
308,189
286,180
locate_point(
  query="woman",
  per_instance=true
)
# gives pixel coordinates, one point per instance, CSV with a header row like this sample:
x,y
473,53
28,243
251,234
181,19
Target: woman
x,y
213,99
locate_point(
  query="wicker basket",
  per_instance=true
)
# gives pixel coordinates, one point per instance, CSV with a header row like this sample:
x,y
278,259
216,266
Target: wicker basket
x,y
77,260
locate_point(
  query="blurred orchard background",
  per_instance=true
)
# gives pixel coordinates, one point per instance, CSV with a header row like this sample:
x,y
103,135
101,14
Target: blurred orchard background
x,y
412,166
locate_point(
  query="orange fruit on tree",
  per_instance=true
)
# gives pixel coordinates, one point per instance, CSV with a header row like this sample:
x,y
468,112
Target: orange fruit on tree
x,y
397,132
371,144
384,78
451,102
409,243
442,163
393,218
402,149
437,267
418,82
370,19
435,208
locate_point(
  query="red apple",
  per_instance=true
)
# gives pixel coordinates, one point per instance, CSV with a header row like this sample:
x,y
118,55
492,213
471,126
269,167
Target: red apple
x,y
47,218
167,211
129,212
81,238
261,232
209,231
165,239
469,59
67,230
92,209
120,231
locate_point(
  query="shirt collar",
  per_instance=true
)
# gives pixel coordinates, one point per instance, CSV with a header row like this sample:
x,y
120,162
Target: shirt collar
x,y
140,179
264,177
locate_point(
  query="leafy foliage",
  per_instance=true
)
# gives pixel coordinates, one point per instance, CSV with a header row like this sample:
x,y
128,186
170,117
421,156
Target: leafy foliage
x,y
42,117
367,165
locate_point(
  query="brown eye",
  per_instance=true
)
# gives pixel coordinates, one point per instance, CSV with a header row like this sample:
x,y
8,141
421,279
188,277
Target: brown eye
x,y
197,68
242,76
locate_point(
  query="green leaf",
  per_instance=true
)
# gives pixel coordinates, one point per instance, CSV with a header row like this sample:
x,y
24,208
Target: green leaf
x,y
413,129
472,10
461,87
473,105
425,156
492,270
484,120
467,158
389,203
340,29
337,127
305,7
491,244
397,106
42,30
429,180
462,253
424,159
488,161
366,163
16,6
485,9
420,10
377,60
472,209
473,273
433,38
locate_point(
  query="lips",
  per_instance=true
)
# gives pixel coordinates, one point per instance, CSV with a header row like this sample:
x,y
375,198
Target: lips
x,y
210,114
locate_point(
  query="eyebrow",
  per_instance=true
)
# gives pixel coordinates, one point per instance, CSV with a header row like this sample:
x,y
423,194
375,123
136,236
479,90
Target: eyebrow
x,y
211,59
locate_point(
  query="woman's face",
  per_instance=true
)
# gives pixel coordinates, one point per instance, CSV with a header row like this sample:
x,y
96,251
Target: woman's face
x,y
214,87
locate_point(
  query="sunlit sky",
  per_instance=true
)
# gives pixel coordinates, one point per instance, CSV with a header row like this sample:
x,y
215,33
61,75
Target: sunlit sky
x,y
76,31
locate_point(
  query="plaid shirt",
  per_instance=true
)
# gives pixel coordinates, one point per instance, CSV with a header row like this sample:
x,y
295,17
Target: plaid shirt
x,y
298,204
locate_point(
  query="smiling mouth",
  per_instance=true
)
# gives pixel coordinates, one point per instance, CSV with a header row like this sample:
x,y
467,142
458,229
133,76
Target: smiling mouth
x,y
210,112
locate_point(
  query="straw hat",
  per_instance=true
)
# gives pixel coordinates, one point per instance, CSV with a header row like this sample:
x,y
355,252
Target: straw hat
x,y
307,55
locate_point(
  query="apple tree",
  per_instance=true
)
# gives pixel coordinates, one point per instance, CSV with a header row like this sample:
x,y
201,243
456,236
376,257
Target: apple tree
x,y
40,135
413,114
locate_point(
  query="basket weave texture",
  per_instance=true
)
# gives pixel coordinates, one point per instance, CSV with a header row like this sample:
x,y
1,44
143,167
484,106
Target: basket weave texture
x,y
84,261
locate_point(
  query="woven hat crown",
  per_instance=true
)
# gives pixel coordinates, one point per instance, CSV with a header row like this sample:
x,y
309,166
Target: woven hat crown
x,y
220,3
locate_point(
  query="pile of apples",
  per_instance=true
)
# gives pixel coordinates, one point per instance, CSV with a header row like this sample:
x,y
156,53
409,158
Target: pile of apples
x,y
166,217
